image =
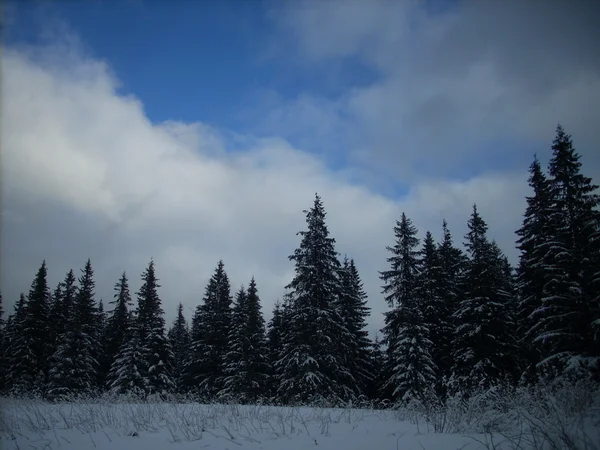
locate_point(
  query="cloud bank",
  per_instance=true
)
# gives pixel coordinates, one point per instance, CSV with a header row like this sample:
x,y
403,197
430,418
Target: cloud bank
x,y
86,174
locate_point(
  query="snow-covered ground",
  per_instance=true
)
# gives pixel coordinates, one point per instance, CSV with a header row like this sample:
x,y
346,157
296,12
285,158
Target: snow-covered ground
x,y
109,424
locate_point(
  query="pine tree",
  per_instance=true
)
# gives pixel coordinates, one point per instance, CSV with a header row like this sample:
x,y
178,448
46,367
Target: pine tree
x,y
449,286
34,349
532,273
75,361
312,364
2,347
564,331
126,374
410,369
156,353
117,327
352,306
484,346
435,319
179,339
19,356
204,370
247,364
274,345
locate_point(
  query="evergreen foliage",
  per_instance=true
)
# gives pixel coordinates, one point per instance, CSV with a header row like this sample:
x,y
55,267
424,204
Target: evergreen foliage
x,y
204,370
311,367
179,339
156,353
484,344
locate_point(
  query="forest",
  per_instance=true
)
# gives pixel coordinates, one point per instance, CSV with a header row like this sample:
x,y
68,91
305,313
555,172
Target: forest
x,y
460,319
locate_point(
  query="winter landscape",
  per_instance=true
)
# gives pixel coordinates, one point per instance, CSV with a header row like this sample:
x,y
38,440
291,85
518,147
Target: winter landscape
x,y
169,285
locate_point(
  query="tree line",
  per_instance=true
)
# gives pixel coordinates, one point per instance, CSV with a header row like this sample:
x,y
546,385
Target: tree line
x,y
460,320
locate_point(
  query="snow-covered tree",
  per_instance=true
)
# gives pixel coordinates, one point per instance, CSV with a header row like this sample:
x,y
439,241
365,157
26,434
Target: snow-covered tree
x,y
247,364
179,338
18,354
532,273
352,306
410,369
156,353
311,367
484,342
204,369
75,362
117,327
564,326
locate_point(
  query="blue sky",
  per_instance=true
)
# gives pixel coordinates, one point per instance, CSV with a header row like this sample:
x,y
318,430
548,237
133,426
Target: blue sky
x,y
190,131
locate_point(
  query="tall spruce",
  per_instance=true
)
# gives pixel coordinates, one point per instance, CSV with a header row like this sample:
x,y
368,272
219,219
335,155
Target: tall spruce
x,y
2,347
18,354
75,362
564,331
312,366
274,346
118,324
179,338
449,285
484,343
532,272
34,348
247,363
156,353
352,306
410,369
204,370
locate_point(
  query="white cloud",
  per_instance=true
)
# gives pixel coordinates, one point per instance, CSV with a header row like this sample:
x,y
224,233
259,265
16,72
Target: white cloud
x,y
451,84
88,175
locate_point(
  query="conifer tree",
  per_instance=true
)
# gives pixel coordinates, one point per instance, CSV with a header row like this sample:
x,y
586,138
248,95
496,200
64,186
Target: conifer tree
x,y
274,345
410,368
204,370
352,306
247,368
449,286
312,366
532,273
179,339
75,361
484,346
126,374
156,353
19,379
117,327
32,346
2,347
564,330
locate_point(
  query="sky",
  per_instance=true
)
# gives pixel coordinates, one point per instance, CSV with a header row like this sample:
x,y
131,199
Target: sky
x,y
190,131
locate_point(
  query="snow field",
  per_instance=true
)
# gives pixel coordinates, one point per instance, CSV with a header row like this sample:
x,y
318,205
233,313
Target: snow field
x,y
493,420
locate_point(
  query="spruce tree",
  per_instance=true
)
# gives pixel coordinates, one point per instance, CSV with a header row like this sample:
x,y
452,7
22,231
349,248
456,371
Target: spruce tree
x,y
126,374
449,277
352,306
565,328
179,339
75,362
156,353
410,369
484,344
35,329
312,366
247,363
532,273
274,345
2,347
204,370
18,354
117,327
